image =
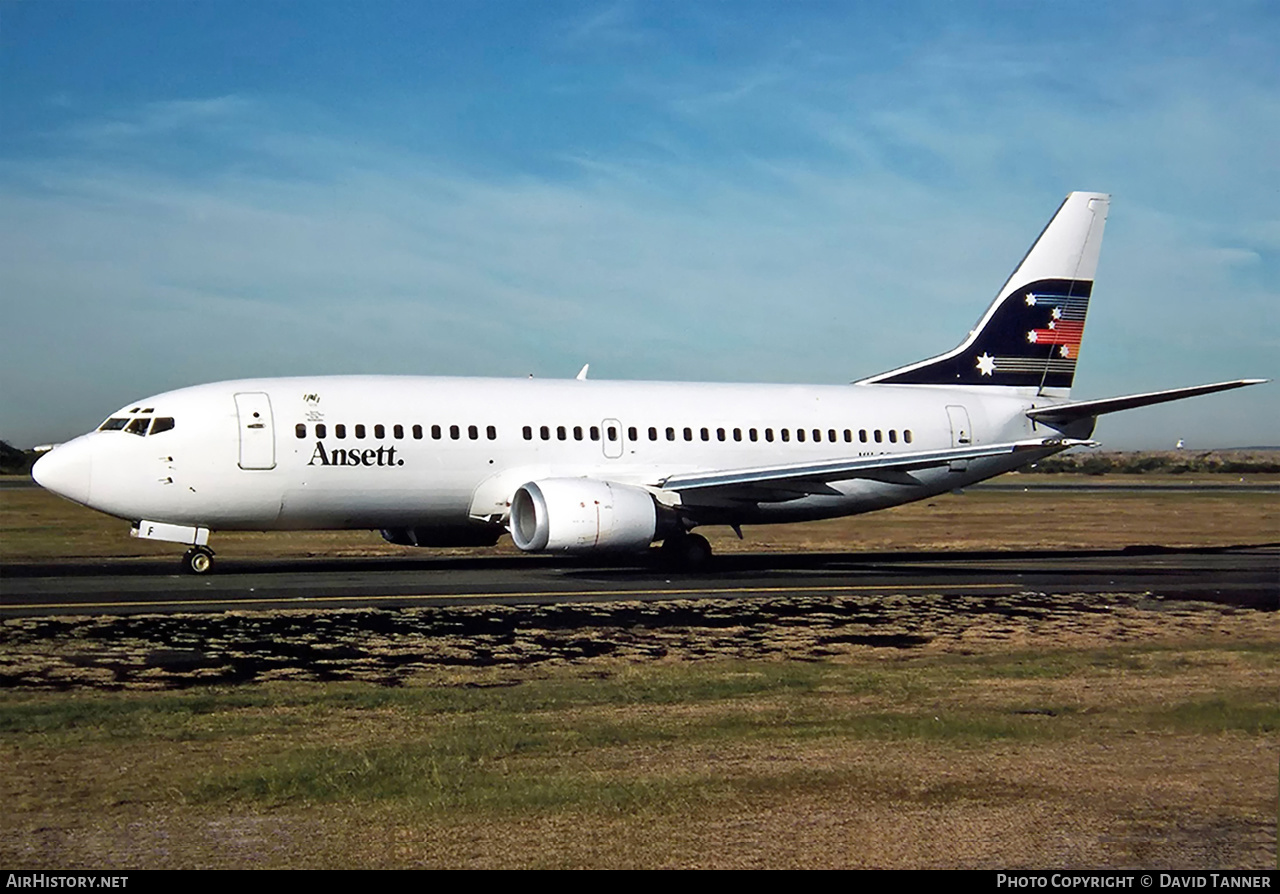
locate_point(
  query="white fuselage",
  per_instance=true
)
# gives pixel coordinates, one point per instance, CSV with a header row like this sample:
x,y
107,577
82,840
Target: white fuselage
x,y
387,452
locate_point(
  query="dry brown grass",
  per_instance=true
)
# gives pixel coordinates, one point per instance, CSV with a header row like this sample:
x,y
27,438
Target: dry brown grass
x,y
1144,736
1104,731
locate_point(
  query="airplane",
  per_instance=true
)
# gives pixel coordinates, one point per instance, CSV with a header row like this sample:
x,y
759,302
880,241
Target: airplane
x,y
584,466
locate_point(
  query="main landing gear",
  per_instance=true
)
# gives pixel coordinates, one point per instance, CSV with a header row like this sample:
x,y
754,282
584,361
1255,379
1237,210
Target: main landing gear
x,y
686,552
198,560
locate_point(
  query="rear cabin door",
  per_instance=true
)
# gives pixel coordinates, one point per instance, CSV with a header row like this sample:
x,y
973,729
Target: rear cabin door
x,y
257,432
961,434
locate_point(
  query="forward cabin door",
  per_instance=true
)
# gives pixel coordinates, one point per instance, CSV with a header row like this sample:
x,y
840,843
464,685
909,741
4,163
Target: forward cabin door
x,y
257,431
611,438
961,434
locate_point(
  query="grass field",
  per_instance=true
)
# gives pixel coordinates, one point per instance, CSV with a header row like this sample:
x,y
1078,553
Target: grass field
x,y
1098,731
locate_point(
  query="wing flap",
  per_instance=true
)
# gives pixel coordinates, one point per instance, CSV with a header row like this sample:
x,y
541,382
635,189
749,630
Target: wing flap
x,y
893,468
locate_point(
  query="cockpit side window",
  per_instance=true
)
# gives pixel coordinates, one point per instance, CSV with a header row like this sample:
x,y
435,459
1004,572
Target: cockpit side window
x,y
115,423
161,423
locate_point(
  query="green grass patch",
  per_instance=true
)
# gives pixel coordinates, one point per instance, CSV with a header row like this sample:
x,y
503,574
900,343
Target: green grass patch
x,y
1252,713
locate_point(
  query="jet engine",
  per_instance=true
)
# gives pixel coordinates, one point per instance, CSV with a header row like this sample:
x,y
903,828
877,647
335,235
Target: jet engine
x,y
582,515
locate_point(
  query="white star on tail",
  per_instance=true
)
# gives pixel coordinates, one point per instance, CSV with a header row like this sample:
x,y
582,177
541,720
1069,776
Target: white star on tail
x,y
1031,299
986,364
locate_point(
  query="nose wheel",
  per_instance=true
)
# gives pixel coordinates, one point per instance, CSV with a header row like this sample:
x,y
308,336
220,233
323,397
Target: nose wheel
x,y
198,560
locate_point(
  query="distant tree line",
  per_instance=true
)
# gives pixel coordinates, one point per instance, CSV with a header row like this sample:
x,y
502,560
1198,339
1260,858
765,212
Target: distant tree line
x,y
1164,462
14,461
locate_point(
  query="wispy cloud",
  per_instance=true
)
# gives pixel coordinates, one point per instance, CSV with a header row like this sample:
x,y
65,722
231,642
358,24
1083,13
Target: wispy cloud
x,y
802,213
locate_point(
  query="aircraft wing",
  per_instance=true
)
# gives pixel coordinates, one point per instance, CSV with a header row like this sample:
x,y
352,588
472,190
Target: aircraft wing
x,y
1070,412
812,477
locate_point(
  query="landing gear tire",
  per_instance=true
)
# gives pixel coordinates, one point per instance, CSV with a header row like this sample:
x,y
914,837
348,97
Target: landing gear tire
x,y
686,552
198,560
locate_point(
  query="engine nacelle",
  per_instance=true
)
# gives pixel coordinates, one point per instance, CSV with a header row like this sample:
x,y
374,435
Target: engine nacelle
x,y
582,515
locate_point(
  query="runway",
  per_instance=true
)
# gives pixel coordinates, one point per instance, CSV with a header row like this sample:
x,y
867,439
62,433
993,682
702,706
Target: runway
x,y
1244,576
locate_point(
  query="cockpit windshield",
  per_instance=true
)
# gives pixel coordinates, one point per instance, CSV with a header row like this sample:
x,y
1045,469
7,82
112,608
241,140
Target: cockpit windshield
x,y
138,425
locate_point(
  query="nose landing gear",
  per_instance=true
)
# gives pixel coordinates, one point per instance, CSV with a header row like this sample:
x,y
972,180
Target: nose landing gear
x,y
198,560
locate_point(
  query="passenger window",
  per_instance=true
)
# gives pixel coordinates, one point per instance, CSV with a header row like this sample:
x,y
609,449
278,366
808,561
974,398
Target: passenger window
x,y
706,435
848,436
321,430
653,433
768,434
719,434
545,433
379,431
612,433
398,432
339,430
455,432
360,432
737,434
799,434
435,433
862,435
906,435
491,433
527,431
631,433
688,434
752,435
786,434
417,432
671,433
577,432
300,430
594,432
114,424
561,433
164,423
473,433
879,437
893,436
831,436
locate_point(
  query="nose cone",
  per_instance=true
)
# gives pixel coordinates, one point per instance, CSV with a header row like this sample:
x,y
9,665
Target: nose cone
x,y
66,470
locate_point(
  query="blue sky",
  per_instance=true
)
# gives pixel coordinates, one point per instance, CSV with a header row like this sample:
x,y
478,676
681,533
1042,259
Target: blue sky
x,y
720,191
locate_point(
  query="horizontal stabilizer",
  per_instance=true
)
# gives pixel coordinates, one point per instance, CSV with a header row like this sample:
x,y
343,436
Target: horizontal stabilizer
x,y
1083,409
863,467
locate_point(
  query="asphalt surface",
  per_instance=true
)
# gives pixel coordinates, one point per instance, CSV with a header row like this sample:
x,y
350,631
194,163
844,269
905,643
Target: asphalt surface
x,y
1245,576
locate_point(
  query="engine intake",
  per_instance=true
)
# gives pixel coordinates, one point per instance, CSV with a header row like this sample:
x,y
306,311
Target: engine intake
x,y
583,515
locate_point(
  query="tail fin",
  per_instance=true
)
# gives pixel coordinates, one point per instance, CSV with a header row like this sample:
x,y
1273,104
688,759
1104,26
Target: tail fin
x,y
1030,335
